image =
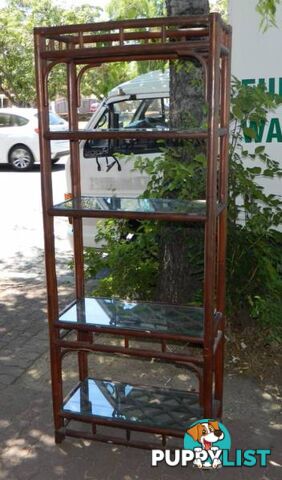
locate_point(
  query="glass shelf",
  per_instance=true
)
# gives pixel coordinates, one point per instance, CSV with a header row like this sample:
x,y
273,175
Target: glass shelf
x,y
118,315
164,409
125,207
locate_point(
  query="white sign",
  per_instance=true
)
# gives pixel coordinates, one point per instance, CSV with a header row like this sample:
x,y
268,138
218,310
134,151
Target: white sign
x,y
256,58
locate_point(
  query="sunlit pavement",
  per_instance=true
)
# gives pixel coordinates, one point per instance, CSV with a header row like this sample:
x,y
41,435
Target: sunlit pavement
x,y
22,278
26,431
21,213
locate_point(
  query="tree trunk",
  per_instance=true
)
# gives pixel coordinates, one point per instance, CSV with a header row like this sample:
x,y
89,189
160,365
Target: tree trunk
x,y
8,95
178,280
187,7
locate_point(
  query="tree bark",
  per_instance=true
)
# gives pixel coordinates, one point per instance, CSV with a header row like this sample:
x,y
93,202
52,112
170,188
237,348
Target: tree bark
x,y
8,95
187,7
178,280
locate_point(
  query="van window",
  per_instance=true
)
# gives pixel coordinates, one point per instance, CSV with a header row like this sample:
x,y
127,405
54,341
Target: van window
x,y
151,113
126,111
103,123
144,113
98,148
135,114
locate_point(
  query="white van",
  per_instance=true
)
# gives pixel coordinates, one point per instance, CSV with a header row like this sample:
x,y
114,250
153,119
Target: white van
x,y
139,103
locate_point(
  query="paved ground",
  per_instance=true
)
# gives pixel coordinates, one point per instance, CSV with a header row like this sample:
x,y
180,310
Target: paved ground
x,y
27,449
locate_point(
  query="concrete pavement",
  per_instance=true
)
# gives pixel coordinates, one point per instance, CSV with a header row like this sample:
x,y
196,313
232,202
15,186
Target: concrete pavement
x,y
27,445
27,448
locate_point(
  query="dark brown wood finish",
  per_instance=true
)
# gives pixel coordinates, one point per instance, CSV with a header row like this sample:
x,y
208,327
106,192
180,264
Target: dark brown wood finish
x,y
145,353
132,334
180,217
211,196
207,39
128,134
222,221
166,22
50,266
76,221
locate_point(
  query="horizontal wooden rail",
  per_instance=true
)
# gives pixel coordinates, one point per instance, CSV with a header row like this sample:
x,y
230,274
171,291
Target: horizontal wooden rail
x,y
118,37
78,213
134,334
123,51
192,21
136,352
131,134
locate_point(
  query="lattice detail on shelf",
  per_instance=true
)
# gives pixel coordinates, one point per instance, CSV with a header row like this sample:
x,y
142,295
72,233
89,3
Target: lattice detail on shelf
x,y
142,316
150,406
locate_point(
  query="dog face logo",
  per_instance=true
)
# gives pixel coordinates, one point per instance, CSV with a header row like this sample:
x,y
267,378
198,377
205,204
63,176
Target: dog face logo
x,y
206,434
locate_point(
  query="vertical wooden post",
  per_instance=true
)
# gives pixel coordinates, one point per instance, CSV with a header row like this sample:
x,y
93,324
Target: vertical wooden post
x,y
76,222
211,199
48,222
222,224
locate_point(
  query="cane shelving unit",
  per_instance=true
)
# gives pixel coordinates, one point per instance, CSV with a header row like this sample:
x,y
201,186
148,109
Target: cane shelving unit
x,y
100,403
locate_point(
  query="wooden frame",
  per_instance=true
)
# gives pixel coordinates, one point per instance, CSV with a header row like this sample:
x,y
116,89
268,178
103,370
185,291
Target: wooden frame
x,y
80,47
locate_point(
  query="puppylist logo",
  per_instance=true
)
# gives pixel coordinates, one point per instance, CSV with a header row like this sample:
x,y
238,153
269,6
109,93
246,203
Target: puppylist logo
x,y
207,445
207,439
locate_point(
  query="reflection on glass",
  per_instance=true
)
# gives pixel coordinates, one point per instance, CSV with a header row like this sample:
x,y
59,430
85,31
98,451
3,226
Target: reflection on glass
x,y
153,317
149,406
126,204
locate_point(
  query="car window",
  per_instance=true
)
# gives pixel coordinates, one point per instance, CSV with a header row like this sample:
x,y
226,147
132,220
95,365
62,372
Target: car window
x,y
10,120
19,121
55,119
4,120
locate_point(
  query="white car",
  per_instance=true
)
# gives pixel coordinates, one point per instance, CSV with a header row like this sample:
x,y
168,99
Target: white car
x,y
139,103
19,137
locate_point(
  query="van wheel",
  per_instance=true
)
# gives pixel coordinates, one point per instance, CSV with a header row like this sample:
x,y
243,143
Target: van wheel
x,y
21,158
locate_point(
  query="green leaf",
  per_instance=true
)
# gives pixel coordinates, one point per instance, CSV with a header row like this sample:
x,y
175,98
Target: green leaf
x,y
250,132
255,170
259,149
268,172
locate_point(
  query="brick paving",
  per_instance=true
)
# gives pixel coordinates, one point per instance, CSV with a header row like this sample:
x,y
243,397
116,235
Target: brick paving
x,y
27,449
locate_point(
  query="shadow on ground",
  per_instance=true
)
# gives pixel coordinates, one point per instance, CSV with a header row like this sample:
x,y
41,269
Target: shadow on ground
x,y
27,448
4,167
29,452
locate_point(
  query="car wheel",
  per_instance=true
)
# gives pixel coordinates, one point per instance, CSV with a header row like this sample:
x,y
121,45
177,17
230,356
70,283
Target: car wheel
x,y
21,158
